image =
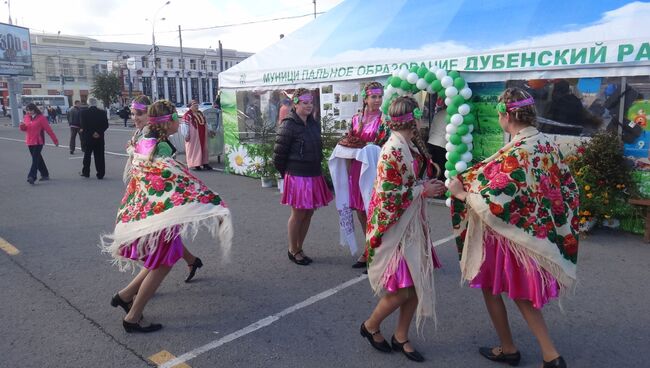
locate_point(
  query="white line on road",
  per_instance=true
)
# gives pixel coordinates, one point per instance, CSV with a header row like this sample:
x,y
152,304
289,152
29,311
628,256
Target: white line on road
x,y
271,319
62,146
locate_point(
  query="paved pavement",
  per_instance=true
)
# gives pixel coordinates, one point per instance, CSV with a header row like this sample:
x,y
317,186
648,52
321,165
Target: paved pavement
x,y
258,309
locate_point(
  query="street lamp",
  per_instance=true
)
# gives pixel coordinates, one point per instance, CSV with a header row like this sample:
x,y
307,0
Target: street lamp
x,y
154,82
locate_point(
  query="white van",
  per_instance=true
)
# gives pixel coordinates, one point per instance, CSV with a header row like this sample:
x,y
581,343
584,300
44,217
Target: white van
x,y
43,101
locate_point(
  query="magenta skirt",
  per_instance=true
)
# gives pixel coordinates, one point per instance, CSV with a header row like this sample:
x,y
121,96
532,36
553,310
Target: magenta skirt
x,y
401,278
502,272
305,192
167,253
356,200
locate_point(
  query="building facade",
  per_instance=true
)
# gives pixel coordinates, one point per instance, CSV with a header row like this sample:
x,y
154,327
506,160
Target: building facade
x,y
67,65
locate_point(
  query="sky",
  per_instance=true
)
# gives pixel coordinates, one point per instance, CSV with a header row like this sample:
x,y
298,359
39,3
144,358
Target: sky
x,y
125,20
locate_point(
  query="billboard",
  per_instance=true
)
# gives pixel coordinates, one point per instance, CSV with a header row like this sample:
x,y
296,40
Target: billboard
x,y
15,51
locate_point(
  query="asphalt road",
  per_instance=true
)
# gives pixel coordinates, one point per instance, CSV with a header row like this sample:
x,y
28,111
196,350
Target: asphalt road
x,y
258,309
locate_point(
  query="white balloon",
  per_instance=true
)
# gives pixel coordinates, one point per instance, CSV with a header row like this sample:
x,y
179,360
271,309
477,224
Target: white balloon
x,y
447,182
389,90
451,91
441,73
447,81
448,202
412,78
447,156
470,147
451,128
467,156
463,109
401,92
466,93
395,73
450,147
430,89
447,174
467,138
447,136
421,84
403,73
471,127
457,119
447,101
461,166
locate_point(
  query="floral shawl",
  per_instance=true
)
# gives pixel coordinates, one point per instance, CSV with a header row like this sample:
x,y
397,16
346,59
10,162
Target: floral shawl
x,y
397,226
161,194
526,193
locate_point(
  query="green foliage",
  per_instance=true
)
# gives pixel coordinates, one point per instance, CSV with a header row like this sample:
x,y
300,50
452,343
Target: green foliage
x,y
259,141
106,87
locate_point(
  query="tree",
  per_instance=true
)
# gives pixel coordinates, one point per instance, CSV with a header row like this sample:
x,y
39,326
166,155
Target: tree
x,y
106,87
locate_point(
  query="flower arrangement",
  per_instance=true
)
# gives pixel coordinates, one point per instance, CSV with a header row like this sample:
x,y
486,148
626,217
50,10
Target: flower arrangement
x,y
604,179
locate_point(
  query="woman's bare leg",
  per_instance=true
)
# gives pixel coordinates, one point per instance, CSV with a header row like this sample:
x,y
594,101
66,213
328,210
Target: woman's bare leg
x,y
535,320
147,289
499,316
387,305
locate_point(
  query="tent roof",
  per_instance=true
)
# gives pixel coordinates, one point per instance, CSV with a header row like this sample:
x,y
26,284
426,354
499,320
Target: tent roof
x,y
490,40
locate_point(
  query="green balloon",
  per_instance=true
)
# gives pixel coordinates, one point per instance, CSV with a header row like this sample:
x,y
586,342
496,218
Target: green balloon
x,y
429,77
458,100
469,119
450,165
462,130
436,85
454,157
453,173
459,83
414,69
414,88
461,148
422,71
448,119
395,82
441,93
455,139
452,109
405,85
453,74
389,79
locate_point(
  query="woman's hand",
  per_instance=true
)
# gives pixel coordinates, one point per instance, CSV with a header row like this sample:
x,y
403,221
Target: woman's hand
x,y
434,188
457,190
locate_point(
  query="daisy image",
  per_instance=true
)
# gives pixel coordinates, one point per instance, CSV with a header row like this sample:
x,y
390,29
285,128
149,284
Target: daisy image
x,y
257,164
238,160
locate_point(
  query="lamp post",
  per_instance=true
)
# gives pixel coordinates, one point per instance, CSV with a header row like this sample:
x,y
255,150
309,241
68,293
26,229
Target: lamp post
x,y
154,82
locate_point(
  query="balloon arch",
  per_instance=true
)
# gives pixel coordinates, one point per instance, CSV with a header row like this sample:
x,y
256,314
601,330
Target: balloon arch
x,y
451,87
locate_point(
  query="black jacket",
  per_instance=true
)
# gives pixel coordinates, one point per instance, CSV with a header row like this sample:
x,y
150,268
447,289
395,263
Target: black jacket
x,y
298,147
93,120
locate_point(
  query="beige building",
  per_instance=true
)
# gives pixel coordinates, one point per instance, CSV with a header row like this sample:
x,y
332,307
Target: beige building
x,y
68,64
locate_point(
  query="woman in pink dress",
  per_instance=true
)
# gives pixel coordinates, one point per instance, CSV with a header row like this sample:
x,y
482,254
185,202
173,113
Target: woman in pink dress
x,y
196,141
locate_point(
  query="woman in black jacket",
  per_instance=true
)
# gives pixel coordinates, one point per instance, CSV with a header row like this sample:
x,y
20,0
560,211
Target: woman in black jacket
x,y
297,155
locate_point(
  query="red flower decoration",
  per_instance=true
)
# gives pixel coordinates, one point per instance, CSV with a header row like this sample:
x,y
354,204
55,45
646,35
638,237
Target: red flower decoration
x,y
570,245
496,208
510,164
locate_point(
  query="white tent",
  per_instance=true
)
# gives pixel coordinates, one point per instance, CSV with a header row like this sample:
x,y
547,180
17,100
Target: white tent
x,y
485,40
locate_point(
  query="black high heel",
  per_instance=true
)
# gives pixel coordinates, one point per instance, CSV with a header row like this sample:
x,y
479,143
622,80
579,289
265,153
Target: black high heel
x,y
555,363
381,346
303,261
116,301
412,355
359,264
193,267
136,327
512,359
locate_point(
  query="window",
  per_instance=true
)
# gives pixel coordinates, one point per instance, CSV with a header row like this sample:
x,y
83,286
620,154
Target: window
x,y
81,67
170,63
171,89
50,67
67,68
181,63
202,64
103,68
95,70
213,65
145,62
146,86
157,63
160,86
193,64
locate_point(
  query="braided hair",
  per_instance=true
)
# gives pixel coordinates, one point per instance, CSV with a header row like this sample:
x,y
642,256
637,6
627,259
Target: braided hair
x,y
159,130
526,115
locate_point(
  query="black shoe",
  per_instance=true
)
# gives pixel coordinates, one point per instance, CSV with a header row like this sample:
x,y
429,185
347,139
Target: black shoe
x,y
365,272
197,168
84,175
302,261
30,180
512,359
381,346
359,264
207,167
72,152
193,267
555,363
100,177
309,260
116,301
135,327
44,178
412,355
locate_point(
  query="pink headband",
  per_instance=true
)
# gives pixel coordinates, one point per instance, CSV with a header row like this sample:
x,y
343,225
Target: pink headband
x,y
376,91
160,119
138,106
402,118
306,98
521,103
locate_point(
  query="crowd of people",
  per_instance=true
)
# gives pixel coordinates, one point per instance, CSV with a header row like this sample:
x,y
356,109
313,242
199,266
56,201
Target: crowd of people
x,y
514,214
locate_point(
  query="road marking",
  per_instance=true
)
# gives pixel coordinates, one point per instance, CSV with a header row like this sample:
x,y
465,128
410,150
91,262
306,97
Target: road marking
x,y
272,319
8,248
62,146
165,356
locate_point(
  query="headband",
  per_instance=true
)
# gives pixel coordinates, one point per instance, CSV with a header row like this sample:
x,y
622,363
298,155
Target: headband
x,y
304,98
372,91
138,106
507,107
416,114
160,119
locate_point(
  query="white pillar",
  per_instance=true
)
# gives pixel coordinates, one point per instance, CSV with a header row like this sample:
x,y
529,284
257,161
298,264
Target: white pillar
x,y
179,98
210,90
166,86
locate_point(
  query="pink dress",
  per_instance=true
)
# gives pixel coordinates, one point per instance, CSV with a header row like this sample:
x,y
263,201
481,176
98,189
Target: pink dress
x,y
196,150
305,192
167,253
371,123
503,272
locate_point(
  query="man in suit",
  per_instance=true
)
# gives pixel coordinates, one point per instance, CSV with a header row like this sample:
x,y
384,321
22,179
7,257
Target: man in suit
x,y
93,125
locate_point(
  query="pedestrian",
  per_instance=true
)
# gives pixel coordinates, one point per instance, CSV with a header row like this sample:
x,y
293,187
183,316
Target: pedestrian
x,y
154,214
124,113
33,125
74,121
93,124
58,114
196,141
297,155
346,170
4,110
437,130
515,215
401,257
139,108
